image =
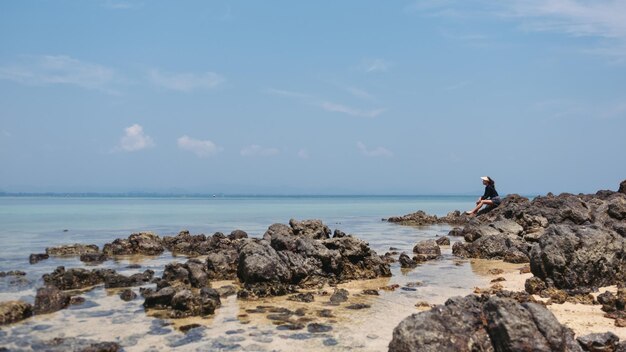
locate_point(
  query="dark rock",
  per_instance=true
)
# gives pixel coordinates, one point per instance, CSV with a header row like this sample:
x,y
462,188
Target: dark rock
x,y
237,234
50,299
160,298
77,300
314,229
534,285
14,311
227,290
599,342
491,323
325,313
357,306
93,257
12,273
102,347
371,292
582,256
75,249
193,273
115,280
339,234
317,328
145,243
622,187
302,297
456,232
406,261
185,328
37,257
183,302
426,250
76,278
339,296
443,241
128,295
222,264
419,218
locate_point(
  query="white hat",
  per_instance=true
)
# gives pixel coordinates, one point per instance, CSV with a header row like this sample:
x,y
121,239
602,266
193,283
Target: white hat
x,y
485,178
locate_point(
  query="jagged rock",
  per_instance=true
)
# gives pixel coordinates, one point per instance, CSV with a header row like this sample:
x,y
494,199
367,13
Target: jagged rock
x,y
419,218
12,273
50,299
145,243
572,257
76,278
426,250
495,246
93,258
314,229
222,265
114,280
599,342
456,232
77,300
14,311
192,273
37,257
622,187
477,323
443,241
159,299
406,261
185,243
227,290
534,285
75,249
338,234
183,302
302,297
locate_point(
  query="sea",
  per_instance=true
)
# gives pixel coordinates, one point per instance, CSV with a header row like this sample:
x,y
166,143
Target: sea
x,y
29,224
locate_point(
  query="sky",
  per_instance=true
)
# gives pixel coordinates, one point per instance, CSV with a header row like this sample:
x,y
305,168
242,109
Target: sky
x,y
317,97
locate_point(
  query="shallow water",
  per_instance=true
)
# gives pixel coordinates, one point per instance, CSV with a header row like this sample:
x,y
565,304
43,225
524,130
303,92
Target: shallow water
x,y
28,225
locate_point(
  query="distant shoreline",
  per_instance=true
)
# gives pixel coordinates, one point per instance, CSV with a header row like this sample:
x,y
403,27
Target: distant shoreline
x,y
205,195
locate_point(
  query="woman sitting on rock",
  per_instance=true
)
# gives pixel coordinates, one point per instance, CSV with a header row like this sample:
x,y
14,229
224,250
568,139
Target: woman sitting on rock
x,y
490,198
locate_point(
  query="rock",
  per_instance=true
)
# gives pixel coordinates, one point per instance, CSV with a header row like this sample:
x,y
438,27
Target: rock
x,y
227,290
314,229
477,323
622,187
514,255
302,297
443,241
237,234
102,347
160,298
338,234
317,328
493,246
12,273
573,257
406,261
114,280
192,273
145,243
456,232
93,258
371,292
128,295
185,328
14,311
358,306
419,218
75,249
183,302
599,342
50,299
339,296
37,257
426,250
76,278
77,300
222,265
534,285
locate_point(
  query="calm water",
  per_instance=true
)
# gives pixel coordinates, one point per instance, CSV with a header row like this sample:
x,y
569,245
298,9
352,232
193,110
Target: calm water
x,y
30,224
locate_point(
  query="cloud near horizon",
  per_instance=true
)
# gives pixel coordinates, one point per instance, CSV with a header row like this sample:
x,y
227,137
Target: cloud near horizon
x,y
185,82
202,148
255,150
376,152
134,139
47,70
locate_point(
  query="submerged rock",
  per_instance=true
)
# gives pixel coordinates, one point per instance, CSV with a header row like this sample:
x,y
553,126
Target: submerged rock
x,y
37,257
75,249
426,250
75,278
14,311
93,258
406,261
475,323
145,243
50,299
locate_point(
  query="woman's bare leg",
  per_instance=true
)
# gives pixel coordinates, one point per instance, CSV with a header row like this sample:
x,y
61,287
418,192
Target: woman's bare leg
x,y
480,205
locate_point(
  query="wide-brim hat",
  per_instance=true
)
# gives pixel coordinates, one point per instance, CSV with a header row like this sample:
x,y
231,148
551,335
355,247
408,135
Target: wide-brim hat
x,y
485,178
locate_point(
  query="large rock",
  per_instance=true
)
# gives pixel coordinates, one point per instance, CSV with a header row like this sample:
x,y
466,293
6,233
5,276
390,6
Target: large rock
x,y
50,299
426,250
145,243
622,187
419,218
76,278
222,265
193,273
477,323
75,249
182,302
13,311
292,257
114,280
573,257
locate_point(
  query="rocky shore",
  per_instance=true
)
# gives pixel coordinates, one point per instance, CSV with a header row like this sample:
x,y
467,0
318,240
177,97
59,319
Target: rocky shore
x,y
574,244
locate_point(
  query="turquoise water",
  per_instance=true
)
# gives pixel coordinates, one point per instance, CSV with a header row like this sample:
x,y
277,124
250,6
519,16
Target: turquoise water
x,y
30,224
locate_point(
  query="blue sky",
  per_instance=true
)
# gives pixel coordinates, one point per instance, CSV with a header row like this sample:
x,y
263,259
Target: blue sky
x,y
324,97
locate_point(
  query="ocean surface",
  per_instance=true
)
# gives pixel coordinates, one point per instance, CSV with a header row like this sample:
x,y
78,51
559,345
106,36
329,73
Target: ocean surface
x,y
30,224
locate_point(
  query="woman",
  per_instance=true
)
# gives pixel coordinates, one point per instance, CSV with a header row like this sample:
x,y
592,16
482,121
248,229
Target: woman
x,y
490,198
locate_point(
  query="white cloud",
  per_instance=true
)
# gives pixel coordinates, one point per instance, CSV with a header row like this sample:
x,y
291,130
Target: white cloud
x,y
257,150
333,107
359,93
202,148
303,154
327,105
49,70
376,152
134,139
374,65
185,82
